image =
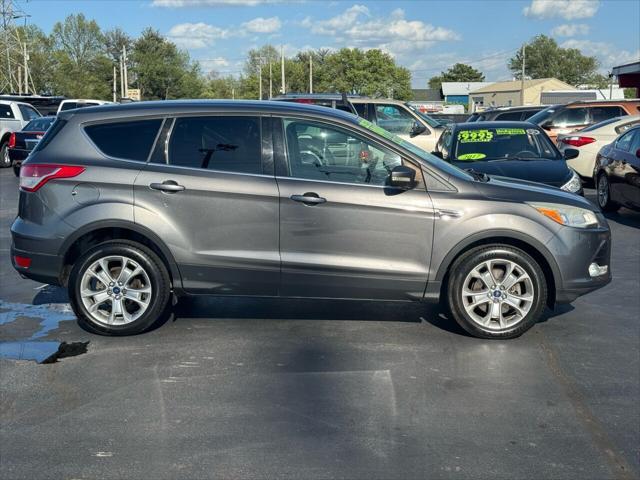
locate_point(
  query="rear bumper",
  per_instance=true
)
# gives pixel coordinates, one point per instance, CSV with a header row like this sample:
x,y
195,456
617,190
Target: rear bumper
x,y
44,268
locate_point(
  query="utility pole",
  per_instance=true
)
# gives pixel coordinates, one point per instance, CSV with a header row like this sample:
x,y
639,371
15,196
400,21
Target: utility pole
x,y
260,80
121,79
26,69
524,53
114,84
283,89
611,85
124,67
270,81
310,73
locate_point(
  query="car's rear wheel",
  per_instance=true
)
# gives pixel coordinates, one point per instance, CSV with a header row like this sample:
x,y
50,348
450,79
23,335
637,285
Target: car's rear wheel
x,y
604,194
119,288
496,291
5,161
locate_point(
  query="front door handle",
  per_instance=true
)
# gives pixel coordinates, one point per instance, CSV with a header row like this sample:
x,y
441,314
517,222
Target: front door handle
x,y
168,186
309,198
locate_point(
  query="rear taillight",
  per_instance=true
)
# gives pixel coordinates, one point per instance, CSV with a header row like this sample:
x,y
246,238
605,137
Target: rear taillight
x,y
32,177
22,262
577,141
12,141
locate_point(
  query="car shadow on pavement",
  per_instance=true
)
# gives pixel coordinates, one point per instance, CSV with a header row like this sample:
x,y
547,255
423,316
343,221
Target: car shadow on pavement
x,y
625,217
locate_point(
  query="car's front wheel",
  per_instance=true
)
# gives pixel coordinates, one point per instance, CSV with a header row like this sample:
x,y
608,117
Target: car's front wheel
x,y
119,288
496,291
604,194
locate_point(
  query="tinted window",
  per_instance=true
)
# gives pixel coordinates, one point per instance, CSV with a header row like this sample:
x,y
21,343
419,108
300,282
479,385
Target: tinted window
x,y
624,142
317,151
571,117
128,140
5,112
598,114
38,125
28,113
230,144
509,116
361,108
394,119
526,114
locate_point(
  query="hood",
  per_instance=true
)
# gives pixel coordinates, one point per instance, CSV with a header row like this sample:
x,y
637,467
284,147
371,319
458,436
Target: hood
x,y
509,189
550,172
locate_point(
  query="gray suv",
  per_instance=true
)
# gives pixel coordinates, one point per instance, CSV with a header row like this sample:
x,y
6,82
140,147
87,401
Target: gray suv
x,y
132,206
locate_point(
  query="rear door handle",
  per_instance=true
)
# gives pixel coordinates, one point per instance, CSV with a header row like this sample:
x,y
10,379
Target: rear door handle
x,y
309,198
169,186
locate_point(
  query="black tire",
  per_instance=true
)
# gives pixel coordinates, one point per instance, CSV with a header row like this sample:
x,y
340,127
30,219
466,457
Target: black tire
x,y
158,275
464,264
5,161
16,170
603,194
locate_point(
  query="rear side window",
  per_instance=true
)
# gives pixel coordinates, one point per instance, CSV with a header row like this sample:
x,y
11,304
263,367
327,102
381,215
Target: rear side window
x,y
5,112
38,125
126,140
229,144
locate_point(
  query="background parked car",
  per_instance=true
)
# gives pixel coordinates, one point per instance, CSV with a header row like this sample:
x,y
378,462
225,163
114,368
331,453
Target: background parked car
x,y
21,143
511,114
331,100
578,115
72,103
617,172
590,140
511,149
13,117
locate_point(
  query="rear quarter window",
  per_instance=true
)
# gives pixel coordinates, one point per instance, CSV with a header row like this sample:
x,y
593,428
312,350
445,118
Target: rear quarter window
x,y
5,112
130,140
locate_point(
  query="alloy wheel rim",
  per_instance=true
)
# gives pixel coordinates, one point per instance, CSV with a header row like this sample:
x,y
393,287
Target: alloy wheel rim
x,y
603,191
115,290
497,294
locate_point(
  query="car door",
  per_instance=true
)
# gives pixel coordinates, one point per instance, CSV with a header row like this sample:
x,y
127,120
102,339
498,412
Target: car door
x,y
627,168
343,233
212,196
399,120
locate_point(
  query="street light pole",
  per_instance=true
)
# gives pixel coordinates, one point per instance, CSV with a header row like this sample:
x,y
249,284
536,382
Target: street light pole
x,y
524,53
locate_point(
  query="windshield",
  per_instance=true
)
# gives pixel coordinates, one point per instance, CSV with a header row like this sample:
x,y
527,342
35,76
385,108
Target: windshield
x,y
423,155
542,115
432,122
490,144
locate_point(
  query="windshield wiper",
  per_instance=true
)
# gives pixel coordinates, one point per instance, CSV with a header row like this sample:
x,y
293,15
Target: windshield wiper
x,y
479,176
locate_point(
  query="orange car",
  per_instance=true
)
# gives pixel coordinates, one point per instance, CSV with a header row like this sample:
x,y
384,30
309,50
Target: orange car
x,y
558,119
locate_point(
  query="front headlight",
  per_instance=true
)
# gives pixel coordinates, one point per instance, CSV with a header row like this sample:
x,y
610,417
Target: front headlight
x,y
574,184
567,215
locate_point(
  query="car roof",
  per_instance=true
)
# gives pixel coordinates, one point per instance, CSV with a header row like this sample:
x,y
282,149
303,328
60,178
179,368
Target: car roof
x,y
9,102
169,107
518,107
493,124
375,100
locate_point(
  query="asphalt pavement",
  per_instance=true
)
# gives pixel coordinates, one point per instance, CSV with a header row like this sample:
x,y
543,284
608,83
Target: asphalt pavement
x,y
254,388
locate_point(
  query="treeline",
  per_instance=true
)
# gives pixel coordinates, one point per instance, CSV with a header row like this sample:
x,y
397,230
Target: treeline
x,y
77,57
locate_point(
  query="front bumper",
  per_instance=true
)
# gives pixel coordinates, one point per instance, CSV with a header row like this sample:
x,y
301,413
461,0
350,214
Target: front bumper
x,y
575,250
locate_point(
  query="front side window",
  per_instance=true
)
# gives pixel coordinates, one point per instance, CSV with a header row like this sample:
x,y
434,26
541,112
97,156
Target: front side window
x,y
394,119
28,113
229,144
126,140
571,117
317,151
598,114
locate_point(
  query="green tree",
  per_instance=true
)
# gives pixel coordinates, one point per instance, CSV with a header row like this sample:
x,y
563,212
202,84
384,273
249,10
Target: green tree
x,y
81,69
546,59
162,70
460,72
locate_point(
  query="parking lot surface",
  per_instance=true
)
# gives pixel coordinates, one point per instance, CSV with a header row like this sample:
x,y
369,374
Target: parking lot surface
x,y
255,388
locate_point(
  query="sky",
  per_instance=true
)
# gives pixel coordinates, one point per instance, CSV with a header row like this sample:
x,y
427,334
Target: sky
x,y
424,36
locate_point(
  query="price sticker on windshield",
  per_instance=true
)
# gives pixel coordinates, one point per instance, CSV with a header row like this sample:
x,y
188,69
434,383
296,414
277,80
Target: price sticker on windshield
x,y
472,136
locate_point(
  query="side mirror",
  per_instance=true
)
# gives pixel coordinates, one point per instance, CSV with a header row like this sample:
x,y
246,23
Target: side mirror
x,y
570,153
417,129
402,177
